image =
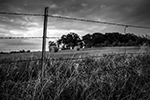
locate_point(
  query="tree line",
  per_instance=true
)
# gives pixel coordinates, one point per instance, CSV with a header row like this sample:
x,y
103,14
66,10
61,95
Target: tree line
x,y
114,39
21,51
97,39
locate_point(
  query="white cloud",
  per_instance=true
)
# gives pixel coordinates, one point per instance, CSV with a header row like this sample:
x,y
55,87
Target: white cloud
x,y
103,6
100,28
3,30
53,6
84,5
34,32
60,32
17,32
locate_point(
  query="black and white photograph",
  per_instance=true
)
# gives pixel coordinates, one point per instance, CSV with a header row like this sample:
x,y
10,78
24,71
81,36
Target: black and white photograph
x,y
74,49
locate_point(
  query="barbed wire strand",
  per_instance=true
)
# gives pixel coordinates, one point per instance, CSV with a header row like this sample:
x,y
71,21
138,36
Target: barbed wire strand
x,y
24,14
100,22
76,19
25,37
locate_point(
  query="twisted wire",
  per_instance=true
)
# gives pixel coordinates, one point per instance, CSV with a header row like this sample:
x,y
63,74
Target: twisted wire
x,y
77,19
25,37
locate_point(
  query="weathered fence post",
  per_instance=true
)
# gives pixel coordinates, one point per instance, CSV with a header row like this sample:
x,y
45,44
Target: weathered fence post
x,y
44,42
125,28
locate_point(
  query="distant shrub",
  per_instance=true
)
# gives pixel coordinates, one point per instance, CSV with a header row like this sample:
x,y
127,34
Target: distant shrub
x,y
28,51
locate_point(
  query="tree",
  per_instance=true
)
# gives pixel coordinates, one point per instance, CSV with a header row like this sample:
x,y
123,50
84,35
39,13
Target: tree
x,y
70,40
97,39
59,42
94,40
51,43
87,39
113,39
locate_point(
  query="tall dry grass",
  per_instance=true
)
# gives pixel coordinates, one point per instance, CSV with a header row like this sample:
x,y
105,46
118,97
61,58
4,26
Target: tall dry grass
x,y
112,77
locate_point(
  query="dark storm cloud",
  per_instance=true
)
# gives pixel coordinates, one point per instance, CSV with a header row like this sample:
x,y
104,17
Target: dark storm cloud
x,y
142,13
134,12
121,10
128,12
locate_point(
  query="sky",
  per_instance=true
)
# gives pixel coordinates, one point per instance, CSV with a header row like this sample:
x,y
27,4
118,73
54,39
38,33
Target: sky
x,y
132,12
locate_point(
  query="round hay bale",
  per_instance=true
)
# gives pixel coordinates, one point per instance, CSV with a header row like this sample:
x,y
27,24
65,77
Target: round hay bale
x,y
53,49
77,48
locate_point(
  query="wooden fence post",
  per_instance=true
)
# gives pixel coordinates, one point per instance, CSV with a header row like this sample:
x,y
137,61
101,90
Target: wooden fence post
x,y
44,41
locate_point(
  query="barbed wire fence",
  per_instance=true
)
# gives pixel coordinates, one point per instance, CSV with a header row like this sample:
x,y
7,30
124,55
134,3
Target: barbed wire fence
x,y
46,16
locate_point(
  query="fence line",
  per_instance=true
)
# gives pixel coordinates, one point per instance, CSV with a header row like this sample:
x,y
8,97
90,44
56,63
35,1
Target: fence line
x,y
67,18
100,22
76,19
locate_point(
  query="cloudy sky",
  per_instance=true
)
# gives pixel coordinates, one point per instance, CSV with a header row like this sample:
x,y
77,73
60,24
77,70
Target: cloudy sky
x,y
133,12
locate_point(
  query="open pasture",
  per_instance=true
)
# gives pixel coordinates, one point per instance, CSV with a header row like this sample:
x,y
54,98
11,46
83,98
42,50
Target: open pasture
x,y
75,54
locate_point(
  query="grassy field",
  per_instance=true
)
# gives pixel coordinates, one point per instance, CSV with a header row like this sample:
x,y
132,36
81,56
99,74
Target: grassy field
x,y
82,53
111,77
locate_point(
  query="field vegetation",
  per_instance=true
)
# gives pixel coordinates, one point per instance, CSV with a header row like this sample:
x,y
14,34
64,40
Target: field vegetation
x,y
110,77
